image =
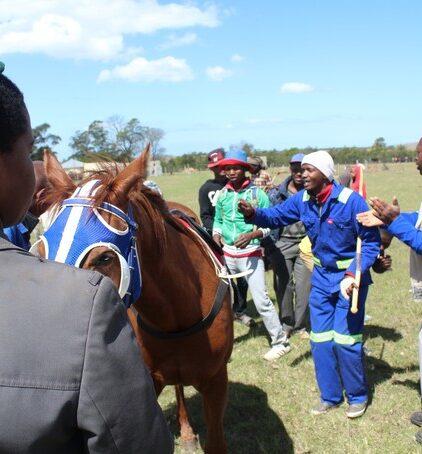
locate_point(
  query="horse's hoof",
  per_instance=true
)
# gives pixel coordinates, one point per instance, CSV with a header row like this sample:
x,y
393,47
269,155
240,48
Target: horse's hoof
x,y
190,446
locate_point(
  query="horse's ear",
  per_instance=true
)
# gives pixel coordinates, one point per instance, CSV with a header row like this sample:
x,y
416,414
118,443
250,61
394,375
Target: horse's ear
x,y
56,175
133,173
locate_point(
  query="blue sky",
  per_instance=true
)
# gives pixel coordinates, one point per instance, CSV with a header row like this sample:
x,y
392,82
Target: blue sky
x,y
274,73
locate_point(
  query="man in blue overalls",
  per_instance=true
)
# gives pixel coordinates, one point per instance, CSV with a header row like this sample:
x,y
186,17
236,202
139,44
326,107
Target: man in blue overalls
x,y
328,211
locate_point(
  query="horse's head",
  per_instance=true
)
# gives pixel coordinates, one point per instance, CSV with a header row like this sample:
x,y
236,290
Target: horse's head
x,y
93,225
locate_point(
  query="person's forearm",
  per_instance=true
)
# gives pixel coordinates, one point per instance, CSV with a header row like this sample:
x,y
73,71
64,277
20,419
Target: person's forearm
x,y
407,233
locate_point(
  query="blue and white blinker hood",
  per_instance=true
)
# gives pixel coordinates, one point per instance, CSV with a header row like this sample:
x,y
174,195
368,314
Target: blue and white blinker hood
x,y
79,227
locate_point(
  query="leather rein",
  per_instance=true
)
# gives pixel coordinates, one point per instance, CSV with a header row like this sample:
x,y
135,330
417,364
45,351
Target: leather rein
x,y
201,325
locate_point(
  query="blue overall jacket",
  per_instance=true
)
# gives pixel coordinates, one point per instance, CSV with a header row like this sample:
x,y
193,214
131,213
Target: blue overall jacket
x,y
403,228
333,231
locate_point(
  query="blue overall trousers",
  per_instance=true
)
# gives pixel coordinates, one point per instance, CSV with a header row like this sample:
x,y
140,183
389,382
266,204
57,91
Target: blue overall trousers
x,y
336,341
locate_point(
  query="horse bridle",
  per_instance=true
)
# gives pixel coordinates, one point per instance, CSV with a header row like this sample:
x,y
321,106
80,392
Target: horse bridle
x,y
79,227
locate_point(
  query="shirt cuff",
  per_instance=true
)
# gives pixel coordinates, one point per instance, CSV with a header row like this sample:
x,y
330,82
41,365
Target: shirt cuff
x,y
265,232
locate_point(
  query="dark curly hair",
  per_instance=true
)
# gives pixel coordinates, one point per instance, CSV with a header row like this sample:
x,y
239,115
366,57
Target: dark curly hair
x,y
13,118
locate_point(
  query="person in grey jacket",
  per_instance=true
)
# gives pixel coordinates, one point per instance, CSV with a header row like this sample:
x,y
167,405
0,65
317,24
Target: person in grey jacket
x,y
72,378
292,279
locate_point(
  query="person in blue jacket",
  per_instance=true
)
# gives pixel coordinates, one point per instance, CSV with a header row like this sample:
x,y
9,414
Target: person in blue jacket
x,y
407,227
328,211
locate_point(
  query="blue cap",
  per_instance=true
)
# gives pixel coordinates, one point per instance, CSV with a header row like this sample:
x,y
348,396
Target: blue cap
x,y
235,156
297,158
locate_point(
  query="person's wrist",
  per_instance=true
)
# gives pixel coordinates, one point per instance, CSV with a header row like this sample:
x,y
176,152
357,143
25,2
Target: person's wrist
x,y
251,214
258,234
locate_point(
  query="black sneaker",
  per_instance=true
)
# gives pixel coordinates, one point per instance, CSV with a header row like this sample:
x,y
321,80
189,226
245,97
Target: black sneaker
x,y
244,320
323,407
356,410
416,418
418,437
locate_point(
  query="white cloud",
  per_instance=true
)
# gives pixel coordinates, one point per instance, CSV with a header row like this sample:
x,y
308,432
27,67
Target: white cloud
x,y
167,69
236,58
91,29
296,87
264,121
179,41
218,73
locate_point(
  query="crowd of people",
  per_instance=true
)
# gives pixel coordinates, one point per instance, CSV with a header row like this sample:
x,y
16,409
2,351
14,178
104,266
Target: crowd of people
x,y
308,215
91,392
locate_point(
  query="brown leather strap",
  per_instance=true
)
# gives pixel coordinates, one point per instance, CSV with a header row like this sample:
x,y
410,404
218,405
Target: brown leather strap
x,y
197,327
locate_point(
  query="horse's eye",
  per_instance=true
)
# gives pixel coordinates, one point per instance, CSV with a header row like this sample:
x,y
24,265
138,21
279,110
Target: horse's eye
x,y
103,259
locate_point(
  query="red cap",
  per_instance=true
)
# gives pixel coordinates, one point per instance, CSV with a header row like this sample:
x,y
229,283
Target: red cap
x,y
214,157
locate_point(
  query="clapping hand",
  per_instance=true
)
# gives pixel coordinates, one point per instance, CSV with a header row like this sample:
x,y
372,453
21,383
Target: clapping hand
x,y
382,213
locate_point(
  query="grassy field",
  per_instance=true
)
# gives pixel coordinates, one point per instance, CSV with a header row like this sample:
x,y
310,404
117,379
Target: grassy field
x,y
268,410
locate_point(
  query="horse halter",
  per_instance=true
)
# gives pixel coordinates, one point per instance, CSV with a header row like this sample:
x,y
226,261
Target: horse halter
x,y
79,227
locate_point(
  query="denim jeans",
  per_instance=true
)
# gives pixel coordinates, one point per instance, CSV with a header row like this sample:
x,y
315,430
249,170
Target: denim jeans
x,y
257,287
240,289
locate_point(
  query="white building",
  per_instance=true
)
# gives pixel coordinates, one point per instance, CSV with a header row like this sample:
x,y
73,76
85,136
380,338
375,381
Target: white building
x,y
154,169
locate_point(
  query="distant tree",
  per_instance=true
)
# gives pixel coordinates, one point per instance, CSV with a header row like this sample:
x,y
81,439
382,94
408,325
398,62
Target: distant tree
x,y
92,141
248,148
379,143
160,153
154,136
128,138
43,140
116,139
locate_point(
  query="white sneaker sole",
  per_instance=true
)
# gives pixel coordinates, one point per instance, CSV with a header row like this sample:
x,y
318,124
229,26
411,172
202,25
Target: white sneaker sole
x,y
355,414
275,356
328,409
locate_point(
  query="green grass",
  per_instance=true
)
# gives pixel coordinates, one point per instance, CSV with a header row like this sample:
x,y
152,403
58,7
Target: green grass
x,y
268,410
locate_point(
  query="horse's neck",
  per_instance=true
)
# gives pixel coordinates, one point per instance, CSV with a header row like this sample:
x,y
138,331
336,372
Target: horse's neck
x,y
177,285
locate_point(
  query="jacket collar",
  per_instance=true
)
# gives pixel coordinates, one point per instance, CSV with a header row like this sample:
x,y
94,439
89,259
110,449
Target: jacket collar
x,y
335,192
282,189
245,185
337,188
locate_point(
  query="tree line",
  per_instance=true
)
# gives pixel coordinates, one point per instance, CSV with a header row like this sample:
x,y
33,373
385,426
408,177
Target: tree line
x,y
378,152
122,141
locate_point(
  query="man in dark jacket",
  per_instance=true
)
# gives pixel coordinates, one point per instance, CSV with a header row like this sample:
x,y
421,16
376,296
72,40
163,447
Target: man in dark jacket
x,y
72,378
209,190
292,280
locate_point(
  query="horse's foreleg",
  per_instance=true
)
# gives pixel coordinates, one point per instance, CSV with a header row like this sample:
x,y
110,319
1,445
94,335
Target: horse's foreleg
x,y
214,394
188,438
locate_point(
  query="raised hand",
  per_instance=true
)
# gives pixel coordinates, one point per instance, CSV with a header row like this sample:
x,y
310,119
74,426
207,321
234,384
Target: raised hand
x,y
368,219
384,211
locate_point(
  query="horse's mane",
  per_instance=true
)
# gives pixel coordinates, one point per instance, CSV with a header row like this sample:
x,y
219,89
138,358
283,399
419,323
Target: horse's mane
x,y
141,197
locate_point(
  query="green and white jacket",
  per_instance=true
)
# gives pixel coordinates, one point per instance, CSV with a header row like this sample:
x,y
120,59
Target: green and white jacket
x,y
230,223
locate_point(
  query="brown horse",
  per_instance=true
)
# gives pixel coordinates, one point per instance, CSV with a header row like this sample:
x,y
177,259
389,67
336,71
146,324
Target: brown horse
x,y
179,285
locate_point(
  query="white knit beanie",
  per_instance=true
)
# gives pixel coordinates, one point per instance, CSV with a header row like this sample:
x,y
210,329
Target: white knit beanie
x,y
323,161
